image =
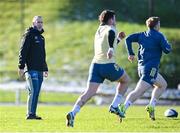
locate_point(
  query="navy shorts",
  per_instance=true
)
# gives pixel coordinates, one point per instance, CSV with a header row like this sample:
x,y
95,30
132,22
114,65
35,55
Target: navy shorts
x,y
99,72
148,75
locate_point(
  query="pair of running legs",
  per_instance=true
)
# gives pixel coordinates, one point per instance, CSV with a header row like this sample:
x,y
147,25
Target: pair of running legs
x,y
91,91
159,86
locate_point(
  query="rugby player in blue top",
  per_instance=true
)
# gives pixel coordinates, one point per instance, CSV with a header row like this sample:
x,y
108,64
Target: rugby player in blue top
x,y
151,45
103,65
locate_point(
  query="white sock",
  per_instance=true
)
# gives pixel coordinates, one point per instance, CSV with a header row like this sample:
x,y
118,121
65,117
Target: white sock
x,y
116,100
76,109
127,104
153,102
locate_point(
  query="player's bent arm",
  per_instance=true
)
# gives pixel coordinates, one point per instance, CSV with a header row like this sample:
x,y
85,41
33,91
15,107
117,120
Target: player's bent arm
x,y
166,47
128,42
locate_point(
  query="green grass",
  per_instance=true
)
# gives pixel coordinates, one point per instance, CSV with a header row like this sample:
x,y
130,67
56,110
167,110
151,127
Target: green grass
x,y
45,97
90,119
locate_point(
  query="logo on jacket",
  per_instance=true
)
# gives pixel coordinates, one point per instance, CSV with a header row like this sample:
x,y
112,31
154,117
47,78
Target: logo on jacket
x,y
36,39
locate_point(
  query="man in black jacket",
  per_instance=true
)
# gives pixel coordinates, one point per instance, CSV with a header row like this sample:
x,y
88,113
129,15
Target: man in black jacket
x,y
32,63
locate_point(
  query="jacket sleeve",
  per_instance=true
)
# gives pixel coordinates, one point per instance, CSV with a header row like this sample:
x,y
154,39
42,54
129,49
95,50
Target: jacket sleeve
x,y
25,44
129,40
45,66
166,47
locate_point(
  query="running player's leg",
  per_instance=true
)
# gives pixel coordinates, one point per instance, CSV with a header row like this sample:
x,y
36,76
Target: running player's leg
x,y
159,87
144,83
116,73
120,89
91,91
93,83
141,87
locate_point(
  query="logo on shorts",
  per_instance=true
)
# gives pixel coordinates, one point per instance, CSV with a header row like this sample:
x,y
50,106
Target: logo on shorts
x,y
153,72
116,67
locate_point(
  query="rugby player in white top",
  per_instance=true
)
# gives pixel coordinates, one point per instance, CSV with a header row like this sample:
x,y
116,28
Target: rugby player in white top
x,y
103,66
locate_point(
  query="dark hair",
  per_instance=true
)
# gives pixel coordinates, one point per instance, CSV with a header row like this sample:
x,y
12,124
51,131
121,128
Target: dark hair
x,y
106,15
152,22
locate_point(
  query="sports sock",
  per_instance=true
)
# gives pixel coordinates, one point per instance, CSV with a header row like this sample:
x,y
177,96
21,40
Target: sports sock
x,y
76,109
127,104
153,102
116,100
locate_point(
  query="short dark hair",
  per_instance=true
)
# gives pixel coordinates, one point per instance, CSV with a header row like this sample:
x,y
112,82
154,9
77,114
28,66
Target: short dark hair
x,y
151,22
106,15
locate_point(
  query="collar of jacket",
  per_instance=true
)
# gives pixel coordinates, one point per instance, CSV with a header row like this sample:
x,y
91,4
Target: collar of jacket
x,y
34,30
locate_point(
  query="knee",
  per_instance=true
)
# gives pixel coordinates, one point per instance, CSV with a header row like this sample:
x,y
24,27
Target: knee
x,y
164,86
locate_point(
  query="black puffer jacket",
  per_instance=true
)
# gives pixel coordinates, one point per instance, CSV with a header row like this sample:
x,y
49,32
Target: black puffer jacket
x,y
32,53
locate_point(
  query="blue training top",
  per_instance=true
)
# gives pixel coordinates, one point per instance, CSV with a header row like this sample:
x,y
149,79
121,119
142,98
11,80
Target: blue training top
x,y
151,44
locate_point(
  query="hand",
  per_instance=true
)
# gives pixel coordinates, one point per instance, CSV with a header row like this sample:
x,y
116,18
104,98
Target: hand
x,y
110,53
121,35
45,74
21,72
131,58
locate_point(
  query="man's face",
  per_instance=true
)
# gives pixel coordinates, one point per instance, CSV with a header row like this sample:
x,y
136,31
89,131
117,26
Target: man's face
x,y
113,20
38,24
158,25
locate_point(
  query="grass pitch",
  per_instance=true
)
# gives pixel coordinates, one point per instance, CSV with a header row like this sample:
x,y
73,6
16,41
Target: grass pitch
x,y
90,119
